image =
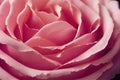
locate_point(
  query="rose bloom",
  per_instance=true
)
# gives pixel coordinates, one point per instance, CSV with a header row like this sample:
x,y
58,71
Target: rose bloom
x,y
59,39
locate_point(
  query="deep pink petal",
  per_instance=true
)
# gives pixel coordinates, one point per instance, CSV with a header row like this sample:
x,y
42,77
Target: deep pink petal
x,y
5,75
28,33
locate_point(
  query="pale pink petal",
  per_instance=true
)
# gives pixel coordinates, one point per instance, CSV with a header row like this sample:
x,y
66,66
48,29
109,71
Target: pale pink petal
x,y
24,54
57,9
104,2
93,5
114,10
15,9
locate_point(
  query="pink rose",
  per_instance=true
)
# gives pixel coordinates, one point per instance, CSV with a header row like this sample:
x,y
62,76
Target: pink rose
x,y
59,39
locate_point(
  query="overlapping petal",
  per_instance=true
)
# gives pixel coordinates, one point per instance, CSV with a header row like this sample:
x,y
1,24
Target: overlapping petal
x,y
59,40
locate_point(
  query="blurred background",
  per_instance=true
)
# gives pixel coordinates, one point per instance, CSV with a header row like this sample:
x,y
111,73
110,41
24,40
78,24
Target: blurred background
x,y
117,77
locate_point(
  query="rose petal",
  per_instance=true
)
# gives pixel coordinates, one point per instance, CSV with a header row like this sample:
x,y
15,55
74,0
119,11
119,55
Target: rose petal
x,y
88,15
24,70
93,21
58,9
69,73
28,33
3,7
101,59
77,16
22,18
97,74
70,53
39,41
67,13
24,54
83,40
1,1
114,70
46,17
114,10
34,21
37,4
76,13
61,32
5,75
108,29
15,8
93,5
